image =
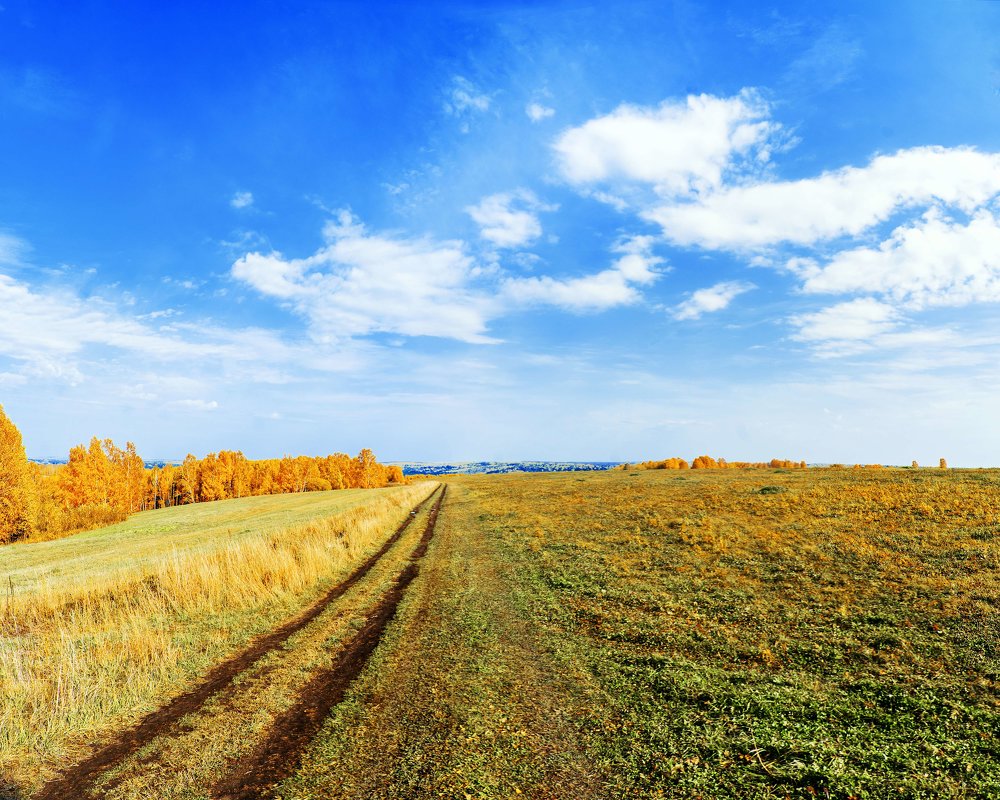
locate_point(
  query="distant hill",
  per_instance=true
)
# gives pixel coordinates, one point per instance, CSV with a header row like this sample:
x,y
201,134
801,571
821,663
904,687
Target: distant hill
x,y
494,467
452,468
147,464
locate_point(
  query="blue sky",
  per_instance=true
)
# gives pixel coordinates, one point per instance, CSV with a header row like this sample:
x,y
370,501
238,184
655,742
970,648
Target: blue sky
x,y
503,230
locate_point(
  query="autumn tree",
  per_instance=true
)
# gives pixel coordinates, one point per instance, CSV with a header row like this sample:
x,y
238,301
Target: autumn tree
x,y
18,499
187,479
394,474
365,471
212,479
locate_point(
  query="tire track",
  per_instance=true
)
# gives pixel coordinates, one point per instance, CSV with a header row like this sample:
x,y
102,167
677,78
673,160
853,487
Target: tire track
x,y
76,781
279,755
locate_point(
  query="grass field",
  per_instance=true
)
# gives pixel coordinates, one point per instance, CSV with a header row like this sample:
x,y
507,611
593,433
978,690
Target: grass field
x,y
695,634
103,626
699,634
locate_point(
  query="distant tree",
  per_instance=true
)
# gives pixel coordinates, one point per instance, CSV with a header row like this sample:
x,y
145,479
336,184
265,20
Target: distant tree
x,y
365,472
18,499
942,464
187,482
915,465
211,478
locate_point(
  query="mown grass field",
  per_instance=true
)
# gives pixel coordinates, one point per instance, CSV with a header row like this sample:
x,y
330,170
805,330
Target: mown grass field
x,y
99,628
713,634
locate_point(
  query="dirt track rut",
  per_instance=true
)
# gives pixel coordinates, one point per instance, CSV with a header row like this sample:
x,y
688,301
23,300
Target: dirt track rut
x,y
77,781
278,756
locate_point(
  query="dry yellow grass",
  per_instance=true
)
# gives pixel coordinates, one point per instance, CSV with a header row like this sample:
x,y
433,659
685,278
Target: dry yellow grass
x,y
92,652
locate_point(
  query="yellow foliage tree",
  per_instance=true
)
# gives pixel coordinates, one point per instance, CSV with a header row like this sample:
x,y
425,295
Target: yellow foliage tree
x,y
17,487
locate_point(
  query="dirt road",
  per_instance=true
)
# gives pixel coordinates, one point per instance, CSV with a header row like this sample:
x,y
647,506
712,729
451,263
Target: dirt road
x,y
134,762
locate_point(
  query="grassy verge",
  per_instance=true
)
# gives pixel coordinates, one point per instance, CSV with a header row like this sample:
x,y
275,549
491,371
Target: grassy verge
x,y
117,620
184,761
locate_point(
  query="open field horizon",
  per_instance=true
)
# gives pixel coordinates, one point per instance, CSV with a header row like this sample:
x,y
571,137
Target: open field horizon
x,y
315,314
645,633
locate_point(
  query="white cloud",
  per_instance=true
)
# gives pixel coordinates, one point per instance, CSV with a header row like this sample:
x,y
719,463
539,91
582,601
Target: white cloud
x,y
932,262
616,286
49,332
679,147
241,200
196,404
508,219
537,112
464,96
712,298
698,169
842,202
361,283
846,327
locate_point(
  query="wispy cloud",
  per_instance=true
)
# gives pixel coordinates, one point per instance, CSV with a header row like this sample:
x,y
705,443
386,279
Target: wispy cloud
x,y
241,200
56,333
12,250
712,298
537,112
617,286
830,60
464,96
196,404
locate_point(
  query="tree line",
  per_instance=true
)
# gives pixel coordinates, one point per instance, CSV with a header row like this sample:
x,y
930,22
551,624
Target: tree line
x,y
102,483
707,462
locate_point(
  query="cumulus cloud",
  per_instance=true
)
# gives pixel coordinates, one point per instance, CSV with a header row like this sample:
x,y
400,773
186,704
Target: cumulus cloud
x,y
362,283
508,219
694,169
935,261
712,298
842,202
537,112
241,200
679,147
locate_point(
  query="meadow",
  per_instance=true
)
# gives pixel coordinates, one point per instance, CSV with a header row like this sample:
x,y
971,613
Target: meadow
x,y
702,634
738,633
98,628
